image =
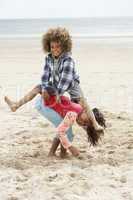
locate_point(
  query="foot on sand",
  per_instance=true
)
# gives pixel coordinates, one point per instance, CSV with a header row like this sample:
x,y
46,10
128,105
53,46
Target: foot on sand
x,y
52,154
13,106
64,155
74,151
63,152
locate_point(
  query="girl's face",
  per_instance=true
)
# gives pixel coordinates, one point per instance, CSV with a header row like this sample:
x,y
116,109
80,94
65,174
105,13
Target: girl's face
x,y
83,119
55,49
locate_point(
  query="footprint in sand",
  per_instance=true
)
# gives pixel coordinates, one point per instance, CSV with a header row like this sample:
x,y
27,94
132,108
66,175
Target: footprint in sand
x,y
111,152
123,179
42,125
52,177
127,196
13,198
130,146
20,132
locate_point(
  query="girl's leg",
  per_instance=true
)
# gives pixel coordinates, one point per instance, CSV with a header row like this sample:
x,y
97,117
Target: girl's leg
x,y
54,146
52,116
28,97
63,151
68,121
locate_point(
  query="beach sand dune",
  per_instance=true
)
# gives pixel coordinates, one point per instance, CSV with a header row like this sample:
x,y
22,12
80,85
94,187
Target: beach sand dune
x,y
101,173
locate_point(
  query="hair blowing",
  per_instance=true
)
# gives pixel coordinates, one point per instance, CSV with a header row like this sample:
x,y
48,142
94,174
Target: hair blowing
x,y
93,135
60,35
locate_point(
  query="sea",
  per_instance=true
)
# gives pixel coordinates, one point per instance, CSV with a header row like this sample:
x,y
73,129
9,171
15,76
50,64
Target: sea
x,y
78,27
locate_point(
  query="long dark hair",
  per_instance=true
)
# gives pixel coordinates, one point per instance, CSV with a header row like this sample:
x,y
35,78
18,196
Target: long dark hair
x,y
93,135
99,117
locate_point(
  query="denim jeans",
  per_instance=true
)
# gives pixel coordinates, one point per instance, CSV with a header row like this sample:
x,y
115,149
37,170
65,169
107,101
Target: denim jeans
x,y
52,116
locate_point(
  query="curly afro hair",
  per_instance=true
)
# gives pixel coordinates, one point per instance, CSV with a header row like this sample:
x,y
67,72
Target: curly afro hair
x,y
60,35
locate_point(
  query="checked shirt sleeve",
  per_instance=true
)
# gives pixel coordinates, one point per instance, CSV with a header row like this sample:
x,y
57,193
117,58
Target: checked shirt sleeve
x,y
46,74
66,76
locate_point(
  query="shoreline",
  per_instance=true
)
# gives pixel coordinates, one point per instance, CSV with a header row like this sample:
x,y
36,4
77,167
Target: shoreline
x,y
78,40
74,36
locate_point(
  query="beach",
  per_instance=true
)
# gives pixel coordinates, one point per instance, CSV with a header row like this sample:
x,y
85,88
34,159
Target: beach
x,y
104,172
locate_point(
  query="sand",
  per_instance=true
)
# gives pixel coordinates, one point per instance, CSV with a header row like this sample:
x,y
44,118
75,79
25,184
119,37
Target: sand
x,y
101,173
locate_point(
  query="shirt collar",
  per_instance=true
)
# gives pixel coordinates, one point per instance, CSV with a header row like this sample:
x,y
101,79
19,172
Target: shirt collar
x,y
63,55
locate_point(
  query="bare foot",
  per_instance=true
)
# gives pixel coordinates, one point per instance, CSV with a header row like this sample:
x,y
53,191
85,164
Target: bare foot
x,y
63,155
51,154
63,152
13,106
74,151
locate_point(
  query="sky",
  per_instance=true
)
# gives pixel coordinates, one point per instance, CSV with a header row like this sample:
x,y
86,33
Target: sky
x,y
64,8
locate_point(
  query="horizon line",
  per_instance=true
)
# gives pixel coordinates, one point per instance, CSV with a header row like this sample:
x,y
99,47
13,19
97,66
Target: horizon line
x,y
54,18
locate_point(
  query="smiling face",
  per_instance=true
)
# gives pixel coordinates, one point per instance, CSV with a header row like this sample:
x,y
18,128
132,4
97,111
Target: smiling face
x,y
56,49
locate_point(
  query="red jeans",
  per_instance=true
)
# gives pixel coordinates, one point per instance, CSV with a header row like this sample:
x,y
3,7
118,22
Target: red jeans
x,y
68,121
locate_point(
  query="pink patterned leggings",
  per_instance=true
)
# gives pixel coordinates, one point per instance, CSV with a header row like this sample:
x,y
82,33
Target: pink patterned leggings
x,y
68,121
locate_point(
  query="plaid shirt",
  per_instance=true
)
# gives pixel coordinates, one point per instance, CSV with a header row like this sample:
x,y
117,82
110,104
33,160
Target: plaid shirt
x,y
66,73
